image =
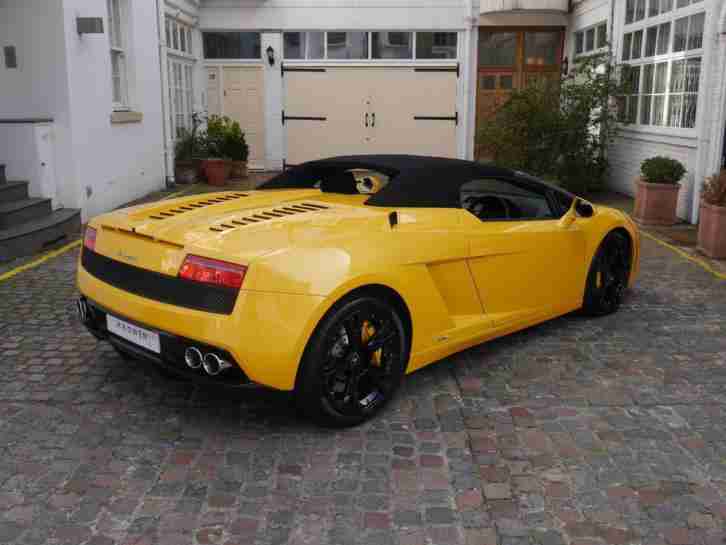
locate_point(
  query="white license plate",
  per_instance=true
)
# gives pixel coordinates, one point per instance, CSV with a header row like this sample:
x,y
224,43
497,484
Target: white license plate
x,y
135,334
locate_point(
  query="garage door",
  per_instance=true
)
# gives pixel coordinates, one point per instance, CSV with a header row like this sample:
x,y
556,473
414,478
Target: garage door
x,y
238,92
354,110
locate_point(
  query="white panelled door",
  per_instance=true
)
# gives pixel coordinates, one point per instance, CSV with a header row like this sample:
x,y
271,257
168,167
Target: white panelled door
x,y
357,110
238,93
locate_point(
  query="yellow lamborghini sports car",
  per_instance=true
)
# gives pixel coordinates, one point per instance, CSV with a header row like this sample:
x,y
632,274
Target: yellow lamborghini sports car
x,y
339,276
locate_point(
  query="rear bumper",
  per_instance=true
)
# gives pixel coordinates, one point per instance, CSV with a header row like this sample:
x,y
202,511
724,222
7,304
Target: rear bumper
x,y
264,335
173,347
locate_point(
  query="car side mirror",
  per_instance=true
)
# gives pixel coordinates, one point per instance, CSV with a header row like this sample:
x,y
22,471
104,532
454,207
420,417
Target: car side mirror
x,y
584,209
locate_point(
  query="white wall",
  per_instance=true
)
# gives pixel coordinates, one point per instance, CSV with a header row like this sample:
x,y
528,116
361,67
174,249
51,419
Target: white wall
x,y
342,14
115,162
37,88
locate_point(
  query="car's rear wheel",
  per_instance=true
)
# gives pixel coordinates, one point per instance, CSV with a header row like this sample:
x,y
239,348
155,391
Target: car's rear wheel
x,y
354,362
607,279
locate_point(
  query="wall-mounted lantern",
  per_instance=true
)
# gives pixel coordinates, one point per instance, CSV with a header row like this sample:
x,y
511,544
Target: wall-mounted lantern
x,y
89,25
565,66
270,55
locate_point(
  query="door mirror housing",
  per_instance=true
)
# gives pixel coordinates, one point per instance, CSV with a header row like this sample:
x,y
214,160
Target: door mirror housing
x,y
584,209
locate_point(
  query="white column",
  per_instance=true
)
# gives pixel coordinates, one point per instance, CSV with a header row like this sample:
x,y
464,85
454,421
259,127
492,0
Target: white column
x,y
274,135
468,82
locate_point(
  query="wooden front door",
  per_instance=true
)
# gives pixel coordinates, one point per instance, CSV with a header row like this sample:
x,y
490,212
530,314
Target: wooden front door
x,y
509,59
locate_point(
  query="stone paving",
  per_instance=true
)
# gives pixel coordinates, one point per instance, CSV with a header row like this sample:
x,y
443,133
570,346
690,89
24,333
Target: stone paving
x,y
579,431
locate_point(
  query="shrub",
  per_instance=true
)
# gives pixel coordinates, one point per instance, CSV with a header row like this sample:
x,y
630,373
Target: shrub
x,y
662,170
559,129
224,139
714,190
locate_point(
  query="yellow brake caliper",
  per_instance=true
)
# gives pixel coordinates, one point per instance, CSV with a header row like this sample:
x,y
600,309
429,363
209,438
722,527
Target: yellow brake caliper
x,y
367,334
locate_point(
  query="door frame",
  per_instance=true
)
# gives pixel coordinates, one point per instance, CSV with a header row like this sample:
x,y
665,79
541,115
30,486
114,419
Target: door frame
x,y
220,65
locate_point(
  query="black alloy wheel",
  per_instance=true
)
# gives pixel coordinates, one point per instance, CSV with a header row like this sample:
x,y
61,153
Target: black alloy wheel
x,y
353,363
607,279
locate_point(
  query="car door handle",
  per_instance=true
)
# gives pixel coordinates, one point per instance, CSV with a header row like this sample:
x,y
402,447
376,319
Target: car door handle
x,y
366,119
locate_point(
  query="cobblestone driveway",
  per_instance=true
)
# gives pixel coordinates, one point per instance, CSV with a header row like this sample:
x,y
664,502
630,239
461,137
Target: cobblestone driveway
x,y
578,431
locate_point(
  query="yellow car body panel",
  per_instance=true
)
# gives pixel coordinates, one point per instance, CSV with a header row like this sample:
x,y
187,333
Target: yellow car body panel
x,y
463,281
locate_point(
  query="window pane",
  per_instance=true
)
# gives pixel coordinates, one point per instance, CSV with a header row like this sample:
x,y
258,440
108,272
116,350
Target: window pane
x,y
637,45
590,40
602,35
189,41
540,48
117,67
174,35
182,39
579,42
115,26
497,48
648,71
640,10
232,45
645,103
315,44
476,197
629,11
168,33
627,42
689,111
666,6
650,41
436,45
506,82
658,110
392,45
634,80
693,75
679,38
488,83
664,34
632,109
661,70
675,111
682,3
347,45
678,76
293,45
695,31
654,8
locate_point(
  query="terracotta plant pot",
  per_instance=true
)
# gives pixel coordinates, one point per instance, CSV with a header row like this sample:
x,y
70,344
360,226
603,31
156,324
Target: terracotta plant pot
x,y
712,230
655,204
185,172
239,169
217,171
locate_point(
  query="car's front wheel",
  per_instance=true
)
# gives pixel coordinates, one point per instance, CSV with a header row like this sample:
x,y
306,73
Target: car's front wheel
x,y
607,279
354,362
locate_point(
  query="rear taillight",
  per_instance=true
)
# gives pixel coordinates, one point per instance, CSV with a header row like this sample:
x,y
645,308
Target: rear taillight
x,y
212,271
89,239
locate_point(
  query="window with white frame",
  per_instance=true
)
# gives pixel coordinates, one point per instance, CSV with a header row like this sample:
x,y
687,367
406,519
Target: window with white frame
x,y
117,41
374,46
178,36
662,55
591,39
181,95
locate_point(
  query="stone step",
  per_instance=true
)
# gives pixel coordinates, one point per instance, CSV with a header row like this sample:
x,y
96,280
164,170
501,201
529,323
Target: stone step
x,y
22,210
13,191
33,236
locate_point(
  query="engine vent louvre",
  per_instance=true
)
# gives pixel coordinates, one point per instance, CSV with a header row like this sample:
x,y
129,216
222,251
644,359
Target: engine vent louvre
x,y
266,215
191,206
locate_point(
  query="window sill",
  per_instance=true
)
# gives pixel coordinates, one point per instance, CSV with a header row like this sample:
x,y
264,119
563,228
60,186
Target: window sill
x,y
122,117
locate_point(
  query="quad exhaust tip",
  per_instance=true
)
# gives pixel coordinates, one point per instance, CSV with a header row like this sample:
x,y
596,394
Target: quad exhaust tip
x,y
193,357
213,364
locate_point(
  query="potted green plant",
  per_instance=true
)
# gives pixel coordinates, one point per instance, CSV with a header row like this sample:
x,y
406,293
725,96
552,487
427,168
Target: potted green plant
x,y
712,217
657,189
236,149
186,164
216,165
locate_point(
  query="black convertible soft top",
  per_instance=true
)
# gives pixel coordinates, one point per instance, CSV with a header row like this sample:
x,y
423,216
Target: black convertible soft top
x,y
414,181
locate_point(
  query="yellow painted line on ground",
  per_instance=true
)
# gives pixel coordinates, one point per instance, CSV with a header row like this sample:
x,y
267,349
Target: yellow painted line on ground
x,y
700,262
42,259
